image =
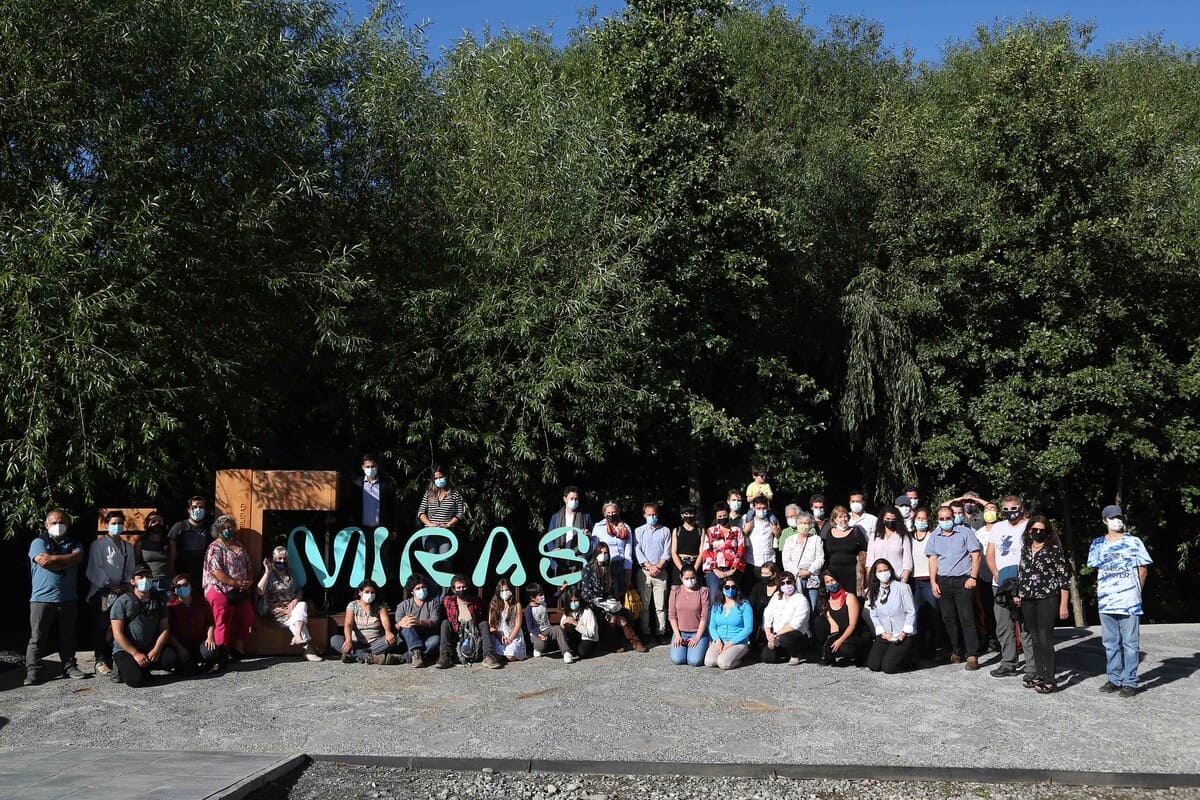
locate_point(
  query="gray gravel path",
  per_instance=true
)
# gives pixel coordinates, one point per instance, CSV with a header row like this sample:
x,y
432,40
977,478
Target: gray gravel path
x,y
638,706
325,780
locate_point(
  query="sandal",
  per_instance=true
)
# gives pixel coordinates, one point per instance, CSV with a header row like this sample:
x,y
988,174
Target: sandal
x,y
1044,688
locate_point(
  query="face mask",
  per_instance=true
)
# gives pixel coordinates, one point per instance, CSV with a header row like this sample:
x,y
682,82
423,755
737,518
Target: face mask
x,y
990,516
183,592
506,595
761,513
689,518
914,501
368,597
959,519
226,534
420,594
371,472
904,511
574,605
723,522
1012,516
789,589
1038,535
792,522
58,530
572,505
157,529
439,483
921,525
461,591
971,508
819,513
281,566
689,583
601,558
843,525
115,529
891,524
735,506
651,520
730,593
196,514
833,588
612,517
945,524
143,584
540,599
856,508
1116,525
884,577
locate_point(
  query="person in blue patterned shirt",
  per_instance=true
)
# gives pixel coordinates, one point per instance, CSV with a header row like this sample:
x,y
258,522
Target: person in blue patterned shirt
x,y
1121,563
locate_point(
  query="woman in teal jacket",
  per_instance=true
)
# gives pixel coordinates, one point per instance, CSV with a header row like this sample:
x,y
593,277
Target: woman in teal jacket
x,y
730,625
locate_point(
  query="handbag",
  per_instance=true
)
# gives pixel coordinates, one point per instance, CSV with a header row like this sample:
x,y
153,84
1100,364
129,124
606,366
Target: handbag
x,y
236,596
633,602
587,627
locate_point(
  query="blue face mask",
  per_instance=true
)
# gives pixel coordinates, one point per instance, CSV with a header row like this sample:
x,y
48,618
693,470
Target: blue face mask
x,y
921,525
183,591
958,519
731,593
143,584
945,524
832,588
196,514
226,534
761,512
651,520
115,529
439,483
574,605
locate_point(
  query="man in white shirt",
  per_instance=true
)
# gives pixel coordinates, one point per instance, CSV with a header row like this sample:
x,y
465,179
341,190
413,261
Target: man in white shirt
x,y
1003,557
859,515
761,528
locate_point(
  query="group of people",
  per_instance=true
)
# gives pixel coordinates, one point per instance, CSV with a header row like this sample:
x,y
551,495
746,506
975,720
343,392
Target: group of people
x,y
838,586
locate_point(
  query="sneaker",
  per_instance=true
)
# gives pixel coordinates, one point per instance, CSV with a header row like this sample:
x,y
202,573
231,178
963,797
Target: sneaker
x,y
103,669
417,657
972,663
31,679
378,659
444,663
391,659
348,658
73,672
793,661
491,662
1128,691
1004,671
570,658
311,655
1109,687
538,653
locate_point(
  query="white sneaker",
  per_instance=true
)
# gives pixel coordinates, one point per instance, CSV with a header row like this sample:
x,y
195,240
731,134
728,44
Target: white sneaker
x,y
793,661
538,654
570,658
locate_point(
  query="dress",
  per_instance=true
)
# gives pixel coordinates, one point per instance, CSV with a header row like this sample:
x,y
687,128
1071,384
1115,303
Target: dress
x,y
841,557
514,650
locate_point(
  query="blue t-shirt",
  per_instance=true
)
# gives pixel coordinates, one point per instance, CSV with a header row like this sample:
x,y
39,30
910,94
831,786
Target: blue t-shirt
x,y
52,586
1118,590
953,550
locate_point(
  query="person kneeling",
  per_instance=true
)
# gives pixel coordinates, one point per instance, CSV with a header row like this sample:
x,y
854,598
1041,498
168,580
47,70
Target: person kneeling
x,y
141,633
367,635
730,623
894,614
785,623
465,629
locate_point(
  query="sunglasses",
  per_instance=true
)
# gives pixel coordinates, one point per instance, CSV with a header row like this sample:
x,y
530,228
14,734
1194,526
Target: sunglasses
x,y
1037,529
731,586
787,583
1014,508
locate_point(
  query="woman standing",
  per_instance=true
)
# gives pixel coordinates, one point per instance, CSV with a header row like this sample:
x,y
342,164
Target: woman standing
x,y
441,507
153,549
282,600
688,612
804,556
685,543
1043,588
722,551
846,552
890,541
227,588
890,603
730,624
504,623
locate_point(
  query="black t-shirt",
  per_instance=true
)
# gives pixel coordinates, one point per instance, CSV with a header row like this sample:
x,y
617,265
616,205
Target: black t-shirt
x,y
841,556
189,536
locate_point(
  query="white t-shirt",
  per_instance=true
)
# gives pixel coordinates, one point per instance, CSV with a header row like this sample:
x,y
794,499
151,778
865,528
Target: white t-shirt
x,y
867,522
1006,539
762,544
920,560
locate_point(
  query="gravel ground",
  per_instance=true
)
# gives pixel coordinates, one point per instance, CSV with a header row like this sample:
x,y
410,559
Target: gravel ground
x,y
323,780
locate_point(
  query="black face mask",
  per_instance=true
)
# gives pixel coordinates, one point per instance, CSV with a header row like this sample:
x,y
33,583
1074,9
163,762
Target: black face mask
x,y
462,592
612,517
891,524
971,508
1038,535
1012,516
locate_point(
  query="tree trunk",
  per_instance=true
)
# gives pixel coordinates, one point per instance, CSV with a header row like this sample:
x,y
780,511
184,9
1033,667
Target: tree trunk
x,y
1064,507
693,477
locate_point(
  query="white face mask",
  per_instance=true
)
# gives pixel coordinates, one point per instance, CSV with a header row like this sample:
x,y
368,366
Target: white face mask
x,y
735,506
371,472
905,511
506,595
689,583
601,558
420,594
58,530
1116,525
841,526
885,576
368,597
856,508
143,584
792,522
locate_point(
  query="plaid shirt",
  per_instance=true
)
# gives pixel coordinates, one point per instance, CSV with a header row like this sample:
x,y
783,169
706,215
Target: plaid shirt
x,y
450,606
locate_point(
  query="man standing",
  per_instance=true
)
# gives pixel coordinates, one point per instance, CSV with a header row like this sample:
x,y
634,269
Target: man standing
x,y
860,516
53,564
1003,557
821,524
905,510
761,529
953,553
569,516
189,541
1121,563
652,551
111,561
141,633
368,501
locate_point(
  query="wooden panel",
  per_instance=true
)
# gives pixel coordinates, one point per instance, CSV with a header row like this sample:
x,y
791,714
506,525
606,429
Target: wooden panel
x,y
135,520
269,639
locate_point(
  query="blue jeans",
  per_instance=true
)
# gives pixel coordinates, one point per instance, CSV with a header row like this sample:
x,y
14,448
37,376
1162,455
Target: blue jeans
x,y
813,594
930,633
1121,635
692,656
412,639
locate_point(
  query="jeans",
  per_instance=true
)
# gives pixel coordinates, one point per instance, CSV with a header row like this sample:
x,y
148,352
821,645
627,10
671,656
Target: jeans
x,y
1006,634
360,649
413,640
958,615
42,618
930,634
692,656
1121,635
1039,636
448,646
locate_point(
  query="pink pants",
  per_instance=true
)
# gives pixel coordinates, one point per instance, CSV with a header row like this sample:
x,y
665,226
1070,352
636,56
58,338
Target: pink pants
x,y
232,621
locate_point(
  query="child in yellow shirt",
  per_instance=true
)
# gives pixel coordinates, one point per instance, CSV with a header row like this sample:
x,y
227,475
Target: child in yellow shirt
x,y
759,485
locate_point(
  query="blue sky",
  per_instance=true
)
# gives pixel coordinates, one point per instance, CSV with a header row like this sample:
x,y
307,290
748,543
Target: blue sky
x,y
924,25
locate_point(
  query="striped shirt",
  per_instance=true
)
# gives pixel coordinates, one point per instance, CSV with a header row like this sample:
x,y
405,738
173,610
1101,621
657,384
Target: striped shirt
x,y
439,512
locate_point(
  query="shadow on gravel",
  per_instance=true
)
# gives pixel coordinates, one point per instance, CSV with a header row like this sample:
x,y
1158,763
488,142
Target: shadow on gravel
x,y
1083,658
3,722
280,788
258,664
1169,671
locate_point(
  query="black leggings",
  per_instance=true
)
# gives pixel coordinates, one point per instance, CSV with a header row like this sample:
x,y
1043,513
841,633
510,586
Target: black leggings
x,y
852,651
792,644
889,657
1040,616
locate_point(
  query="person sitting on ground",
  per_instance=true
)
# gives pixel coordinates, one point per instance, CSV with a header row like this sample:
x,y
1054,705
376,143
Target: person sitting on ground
x,y
541,632
53,563
465,622
141,632
841,623
367,635
579,624
785,623
283,601
193,631
598,592
730,624
504,623
894,616
688,612
420,621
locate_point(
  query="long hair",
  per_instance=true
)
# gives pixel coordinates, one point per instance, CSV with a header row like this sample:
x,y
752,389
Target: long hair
x,y
1051,534
823,593
881,529
602,572
496,610
432,487
873,585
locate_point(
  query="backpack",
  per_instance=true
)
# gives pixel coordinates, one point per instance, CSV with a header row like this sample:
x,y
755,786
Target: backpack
x,y
470,644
